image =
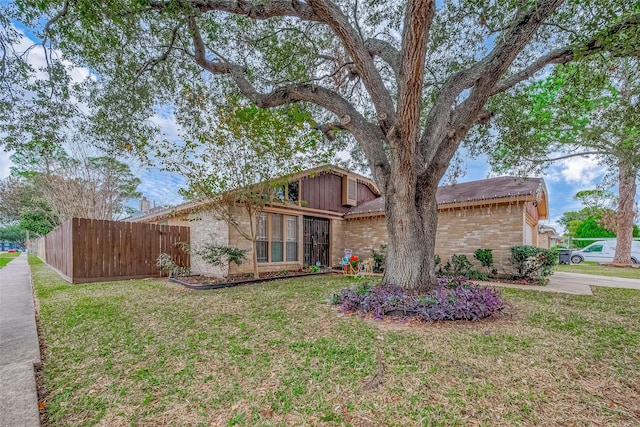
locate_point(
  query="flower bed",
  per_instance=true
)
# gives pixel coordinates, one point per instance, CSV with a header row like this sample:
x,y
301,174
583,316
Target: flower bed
x,y
453,299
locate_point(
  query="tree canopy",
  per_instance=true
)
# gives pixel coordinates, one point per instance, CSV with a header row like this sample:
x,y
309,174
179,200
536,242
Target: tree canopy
x,y
13,233
406,79
43,192
589,107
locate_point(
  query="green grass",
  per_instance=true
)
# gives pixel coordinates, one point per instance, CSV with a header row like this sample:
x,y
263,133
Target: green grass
x,y
6,257
276,354
600,270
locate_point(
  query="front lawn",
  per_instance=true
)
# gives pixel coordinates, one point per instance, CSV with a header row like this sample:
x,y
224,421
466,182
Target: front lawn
x,y
600,270
6,257
153,353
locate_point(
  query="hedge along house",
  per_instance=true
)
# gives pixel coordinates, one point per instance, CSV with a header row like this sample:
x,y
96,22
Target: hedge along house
x,y
302,228
494,213
325,210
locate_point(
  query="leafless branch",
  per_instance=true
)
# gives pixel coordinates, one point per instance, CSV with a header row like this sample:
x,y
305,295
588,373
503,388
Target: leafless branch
x,y
150,64
355,19
568,156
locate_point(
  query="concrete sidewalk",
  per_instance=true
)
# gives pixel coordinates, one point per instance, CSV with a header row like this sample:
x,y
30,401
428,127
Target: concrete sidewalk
x,y
19,347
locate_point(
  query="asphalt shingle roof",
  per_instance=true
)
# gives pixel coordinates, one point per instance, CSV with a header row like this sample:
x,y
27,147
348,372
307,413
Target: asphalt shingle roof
x,y
485,189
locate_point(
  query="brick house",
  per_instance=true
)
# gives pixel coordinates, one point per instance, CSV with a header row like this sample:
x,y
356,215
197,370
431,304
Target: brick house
x,y
325,210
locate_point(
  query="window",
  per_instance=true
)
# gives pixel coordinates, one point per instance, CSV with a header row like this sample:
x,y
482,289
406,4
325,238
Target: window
x,y
276,238
292,238
262,241
596,248
293,191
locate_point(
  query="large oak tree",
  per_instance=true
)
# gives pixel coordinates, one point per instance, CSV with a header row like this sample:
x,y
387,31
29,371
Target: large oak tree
x,y
407,79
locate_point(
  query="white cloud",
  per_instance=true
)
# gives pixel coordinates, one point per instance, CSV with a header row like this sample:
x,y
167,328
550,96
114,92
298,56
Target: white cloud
x,y
161,187
581,171
37,57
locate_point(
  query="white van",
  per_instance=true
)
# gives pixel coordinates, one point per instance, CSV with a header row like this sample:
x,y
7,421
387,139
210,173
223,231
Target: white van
x,y
603,251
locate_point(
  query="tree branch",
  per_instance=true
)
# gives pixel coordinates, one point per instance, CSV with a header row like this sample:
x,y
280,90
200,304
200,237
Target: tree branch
x,y
567,54
386,52
150,64
369,135
53,20
339,23
568,156
264,10
445,127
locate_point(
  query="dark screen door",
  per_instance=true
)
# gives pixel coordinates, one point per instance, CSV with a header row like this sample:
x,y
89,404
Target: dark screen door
x,y
316,241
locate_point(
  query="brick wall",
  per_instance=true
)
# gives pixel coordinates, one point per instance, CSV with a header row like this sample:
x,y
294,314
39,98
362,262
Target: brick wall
x,y
336,234
362,236
205,229
460,231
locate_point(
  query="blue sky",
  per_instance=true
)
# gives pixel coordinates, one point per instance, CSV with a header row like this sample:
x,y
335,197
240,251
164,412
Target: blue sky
x,y
563,179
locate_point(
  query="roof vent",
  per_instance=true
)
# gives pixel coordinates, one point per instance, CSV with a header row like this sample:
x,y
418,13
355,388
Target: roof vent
x,y
349,191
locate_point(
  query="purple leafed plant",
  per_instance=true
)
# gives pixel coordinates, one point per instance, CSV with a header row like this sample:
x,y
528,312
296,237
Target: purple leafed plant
x,y
454,298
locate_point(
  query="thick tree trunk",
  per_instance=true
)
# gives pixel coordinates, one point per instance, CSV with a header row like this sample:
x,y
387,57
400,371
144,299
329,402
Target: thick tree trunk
x,y
624,222
412,226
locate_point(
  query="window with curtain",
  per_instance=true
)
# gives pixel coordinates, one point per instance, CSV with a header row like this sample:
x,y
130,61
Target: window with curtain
x,y
292,238
276,238
262,240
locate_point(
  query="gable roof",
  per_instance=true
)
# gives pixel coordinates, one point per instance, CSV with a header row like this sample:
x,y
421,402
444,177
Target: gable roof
x,y
194,204
505,188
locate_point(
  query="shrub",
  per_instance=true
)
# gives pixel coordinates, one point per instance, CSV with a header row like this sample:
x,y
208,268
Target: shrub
x,y
485,256
167,266
454,298
533,263
379,258
221,255
461,266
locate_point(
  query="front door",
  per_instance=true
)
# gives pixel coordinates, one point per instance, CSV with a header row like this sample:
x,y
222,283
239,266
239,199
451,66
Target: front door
x,y
316,241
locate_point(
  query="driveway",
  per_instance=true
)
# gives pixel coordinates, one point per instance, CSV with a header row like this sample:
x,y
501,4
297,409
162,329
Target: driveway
x,y
575,283
561,279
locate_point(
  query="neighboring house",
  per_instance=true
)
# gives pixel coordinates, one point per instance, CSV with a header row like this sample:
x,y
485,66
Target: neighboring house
x,y
548,237
5,246
326,210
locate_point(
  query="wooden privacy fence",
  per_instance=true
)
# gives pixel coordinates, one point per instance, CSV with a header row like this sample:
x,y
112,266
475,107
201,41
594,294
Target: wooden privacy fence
x,y
90,250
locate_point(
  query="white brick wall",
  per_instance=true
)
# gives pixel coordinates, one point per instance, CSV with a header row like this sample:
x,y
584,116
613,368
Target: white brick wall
x,y
205,229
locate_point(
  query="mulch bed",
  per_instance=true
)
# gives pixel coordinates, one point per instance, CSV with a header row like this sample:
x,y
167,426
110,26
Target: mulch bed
x,y
204,282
